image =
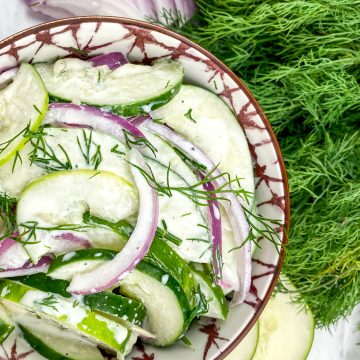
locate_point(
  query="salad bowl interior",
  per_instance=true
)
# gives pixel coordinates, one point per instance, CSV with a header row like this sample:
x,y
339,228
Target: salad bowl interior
x,y
144,43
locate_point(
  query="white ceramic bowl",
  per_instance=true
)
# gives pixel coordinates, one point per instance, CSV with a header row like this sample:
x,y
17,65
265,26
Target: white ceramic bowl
x,y
143,42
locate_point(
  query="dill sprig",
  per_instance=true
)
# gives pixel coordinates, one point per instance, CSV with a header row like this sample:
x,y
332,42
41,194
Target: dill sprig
x,y
301,61
90,150
50,302
131,140
196,192
30,230
7,213
44,156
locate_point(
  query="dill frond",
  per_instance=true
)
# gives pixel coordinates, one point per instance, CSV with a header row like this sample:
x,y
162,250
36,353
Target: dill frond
x,y
301,60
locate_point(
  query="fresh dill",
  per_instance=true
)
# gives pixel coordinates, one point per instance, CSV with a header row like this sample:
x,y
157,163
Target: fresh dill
x,y
37,109
44,156
96,174
115,150
7,213
196,192
189,160
5,145
49,302
131,140
89,149
188,115
165,235
301,62
16,159
168,17
30,229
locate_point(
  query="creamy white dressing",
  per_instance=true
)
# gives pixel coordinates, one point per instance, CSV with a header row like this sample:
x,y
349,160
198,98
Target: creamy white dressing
x,y
57,308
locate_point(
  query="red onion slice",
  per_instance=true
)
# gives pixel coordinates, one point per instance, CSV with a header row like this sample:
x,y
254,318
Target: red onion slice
x,y
88,116
109,273
12,254
72,242
113,60
232,206
28,269
215,232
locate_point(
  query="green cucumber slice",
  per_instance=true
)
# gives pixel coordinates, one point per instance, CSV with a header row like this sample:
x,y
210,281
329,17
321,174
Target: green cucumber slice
x,y
166,304
282,325
162,256
84,149
129,90
65,266
117,306
181,216
23,104
55,343
69,313
6,325
246,349
205,119
66,196
104,303
45,283
214,295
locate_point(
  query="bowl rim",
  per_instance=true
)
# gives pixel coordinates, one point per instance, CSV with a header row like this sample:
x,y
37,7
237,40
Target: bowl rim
x,y
125,21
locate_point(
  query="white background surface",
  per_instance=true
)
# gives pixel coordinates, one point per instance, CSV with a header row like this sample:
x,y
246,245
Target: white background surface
x,y
341,342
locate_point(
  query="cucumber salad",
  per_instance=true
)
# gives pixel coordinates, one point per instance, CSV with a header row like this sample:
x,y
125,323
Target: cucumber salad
x,y
126,204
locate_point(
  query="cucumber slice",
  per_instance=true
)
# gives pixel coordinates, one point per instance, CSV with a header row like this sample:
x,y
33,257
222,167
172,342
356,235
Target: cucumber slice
x,y
214,295
204,119
163,257
45,283
65,266
84,149
117,306
166,303
286,331
69,313
54,343
246,349
62,198
104,303
15,343
180,215
6,325
23,104
128,90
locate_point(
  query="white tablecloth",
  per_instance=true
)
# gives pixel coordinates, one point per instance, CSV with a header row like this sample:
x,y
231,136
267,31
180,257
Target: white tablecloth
x,y
337,343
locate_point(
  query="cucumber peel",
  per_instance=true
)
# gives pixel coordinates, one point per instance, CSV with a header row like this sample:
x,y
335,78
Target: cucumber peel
x,y
162,256
55,343
69,313
65,266
165,301
6,325
104,303
23,105
214,295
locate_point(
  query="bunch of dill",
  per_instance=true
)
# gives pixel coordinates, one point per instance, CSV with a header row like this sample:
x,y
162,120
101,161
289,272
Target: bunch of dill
x,y
301,59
